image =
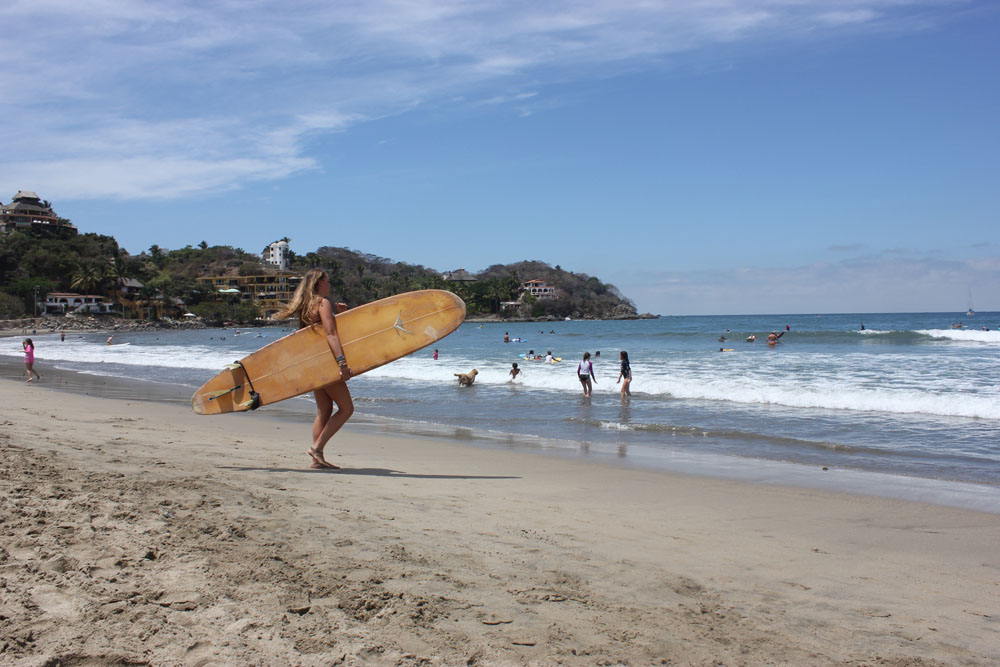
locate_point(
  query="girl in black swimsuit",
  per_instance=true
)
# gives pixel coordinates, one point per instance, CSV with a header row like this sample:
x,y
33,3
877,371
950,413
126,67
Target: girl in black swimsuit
x,y
626,374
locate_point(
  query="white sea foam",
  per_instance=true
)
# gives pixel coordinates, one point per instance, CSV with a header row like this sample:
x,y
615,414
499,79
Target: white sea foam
x,y
201,357
899,386
964,335
838,397
891,383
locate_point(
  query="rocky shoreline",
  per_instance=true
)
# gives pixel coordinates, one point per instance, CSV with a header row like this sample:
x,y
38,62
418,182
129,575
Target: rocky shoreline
x,y
91,323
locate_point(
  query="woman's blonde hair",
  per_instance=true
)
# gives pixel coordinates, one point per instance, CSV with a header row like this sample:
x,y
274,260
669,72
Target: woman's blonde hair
x,y
305,301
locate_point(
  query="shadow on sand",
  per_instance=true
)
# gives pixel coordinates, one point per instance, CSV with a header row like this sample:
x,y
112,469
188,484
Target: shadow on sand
x,y
370,472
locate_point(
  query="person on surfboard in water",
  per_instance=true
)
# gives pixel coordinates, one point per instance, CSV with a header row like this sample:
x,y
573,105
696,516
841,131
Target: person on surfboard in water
x,y
310,304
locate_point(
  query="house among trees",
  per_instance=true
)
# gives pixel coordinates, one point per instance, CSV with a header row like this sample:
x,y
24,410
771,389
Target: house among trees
x,y
538,289
270,293
70,302
27,212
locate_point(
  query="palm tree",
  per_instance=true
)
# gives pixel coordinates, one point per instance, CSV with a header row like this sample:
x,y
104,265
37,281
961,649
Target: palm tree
x,y
156,254
119,271
86,277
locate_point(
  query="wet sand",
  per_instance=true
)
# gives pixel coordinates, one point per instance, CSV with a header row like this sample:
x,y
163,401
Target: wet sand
x,y
137,532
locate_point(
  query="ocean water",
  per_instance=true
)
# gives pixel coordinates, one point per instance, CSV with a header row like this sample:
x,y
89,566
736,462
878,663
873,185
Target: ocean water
x,y
908,397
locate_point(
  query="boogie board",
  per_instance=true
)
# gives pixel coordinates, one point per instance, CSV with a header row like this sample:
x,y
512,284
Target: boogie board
x,y
372,335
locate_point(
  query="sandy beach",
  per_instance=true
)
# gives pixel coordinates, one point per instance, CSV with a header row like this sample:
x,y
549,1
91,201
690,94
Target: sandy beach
x,y
136,532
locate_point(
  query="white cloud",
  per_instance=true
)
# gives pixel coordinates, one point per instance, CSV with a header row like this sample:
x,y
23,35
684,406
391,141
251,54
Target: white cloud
x,y
845,17
225,89
151,177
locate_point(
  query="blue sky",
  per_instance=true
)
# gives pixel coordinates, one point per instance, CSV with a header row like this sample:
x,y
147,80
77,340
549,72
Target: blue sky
x,y
735,156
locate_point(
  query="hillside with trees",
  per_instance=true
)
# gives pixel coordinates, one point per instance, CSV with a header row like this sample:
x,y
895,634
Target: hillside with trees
x,y
359,278
96,264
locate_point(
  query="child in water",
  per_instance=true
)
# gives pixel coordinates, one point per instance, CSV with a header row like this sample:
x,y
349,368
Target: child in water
x,y
626,374
514,372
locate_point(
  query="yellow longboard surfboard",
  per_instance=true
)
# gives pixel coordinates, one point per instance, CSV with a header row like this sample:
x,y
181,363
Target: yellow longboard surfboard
x,y
372,335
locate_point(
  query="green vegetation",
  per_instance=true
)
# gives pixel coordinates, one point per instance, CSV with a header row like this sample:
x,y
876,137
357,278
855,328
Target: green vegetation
x,y
95,264
358,278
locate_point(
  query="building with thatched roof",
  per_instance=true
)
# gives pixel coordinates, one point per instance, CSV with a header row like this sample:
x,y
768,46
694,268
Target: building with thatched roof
x,y
27,212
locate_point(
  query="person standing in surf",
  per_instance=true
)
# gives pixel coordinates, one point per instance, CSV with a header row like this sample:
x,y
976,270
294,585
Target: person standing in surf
x,y
626,374
585,371
311,304
29,359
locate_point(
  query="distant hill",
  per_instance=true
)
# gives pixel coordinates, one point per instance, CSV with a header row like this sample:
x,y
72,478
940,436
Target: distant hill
x,y
359,278
94,263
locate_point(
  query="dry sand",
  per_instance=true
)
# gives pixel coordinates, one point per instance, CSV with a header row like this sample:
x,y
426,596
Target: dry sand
x,y
139,533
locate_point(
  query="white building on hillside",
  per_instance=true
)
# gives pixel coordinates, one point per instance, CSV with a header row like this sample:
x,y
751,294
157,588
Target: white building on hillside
x,y
277,254
70,302
538,289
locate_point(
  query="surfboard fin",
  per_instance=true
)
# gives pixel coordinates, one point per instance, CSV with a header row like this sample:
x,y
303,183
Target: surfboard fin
x,y
253,403
399,324
211,396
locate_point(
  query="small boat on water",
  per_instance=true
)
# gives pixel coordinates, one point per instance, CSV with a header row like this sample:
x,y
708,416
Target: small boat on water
x,y
970,312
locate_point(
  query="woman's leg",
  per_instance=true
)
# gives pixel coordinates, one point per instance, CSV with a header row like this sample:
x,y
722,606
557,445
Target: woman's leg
x,y
335,393
324,410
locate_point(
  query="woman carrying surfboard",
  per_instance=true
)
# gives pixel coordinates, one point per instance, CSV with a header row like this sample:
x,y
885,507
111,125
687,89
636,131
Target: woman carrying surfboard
x,y
310,304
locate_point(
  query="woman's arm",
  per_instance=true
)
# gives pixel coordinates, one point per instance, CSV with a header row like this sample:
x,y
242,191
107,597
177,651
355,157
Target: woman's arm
x,y
332,338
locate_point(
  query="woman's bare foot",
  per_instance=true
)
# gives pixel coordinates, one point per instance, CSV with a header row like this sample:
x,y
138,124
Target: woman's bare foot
x,y
319,461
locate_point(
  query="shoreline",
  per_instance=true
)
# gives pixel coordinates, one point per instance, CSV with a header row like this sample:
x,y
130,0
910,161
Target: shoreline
x,y
140,531
855,481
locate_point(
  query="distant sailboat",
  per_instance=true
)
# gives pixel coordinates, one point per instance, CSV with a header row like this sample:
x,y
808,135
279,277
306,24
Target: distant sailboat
x,y
971,312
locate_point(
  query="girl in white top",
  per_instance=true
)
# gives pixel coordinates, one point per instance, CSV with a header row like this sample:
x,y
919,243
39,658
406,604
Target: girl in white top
x,y
585,371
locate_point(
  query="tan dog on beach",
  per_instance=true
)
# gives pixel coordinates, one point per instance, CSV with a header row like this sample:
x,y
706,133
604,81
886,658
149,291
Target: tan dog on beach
x,y
466,379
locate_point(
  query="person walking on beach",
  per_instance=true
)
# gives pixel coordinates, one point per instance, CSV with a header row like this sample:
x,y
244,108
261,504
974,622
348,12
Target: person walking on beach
x,y
310,304
626,374
29,359
585,371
